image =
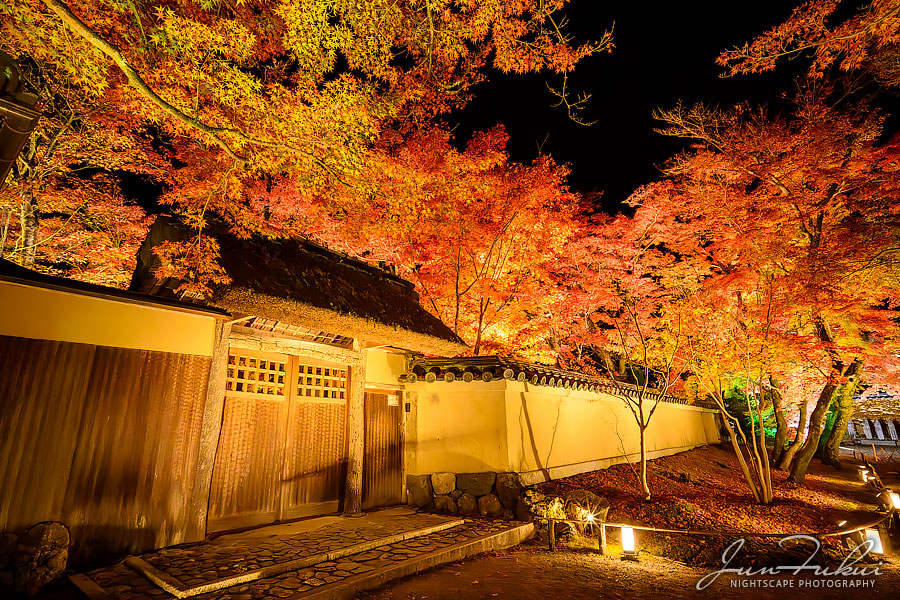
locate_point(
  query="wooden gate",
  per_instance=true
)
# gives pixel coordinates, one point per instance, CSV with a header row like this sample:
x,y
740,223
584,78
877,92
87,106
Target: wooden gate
x,y
283,445
383,459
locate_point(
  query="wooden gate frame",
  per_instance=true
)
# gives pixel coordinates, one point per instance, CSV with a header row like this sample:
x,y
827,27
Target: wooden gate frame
x,y
214,407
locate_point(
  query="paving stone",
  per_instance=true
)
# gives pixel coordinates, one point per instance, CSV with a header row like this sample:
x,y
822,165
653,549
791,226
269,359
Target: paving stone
x,y
347,565
314,582
363,569
368,555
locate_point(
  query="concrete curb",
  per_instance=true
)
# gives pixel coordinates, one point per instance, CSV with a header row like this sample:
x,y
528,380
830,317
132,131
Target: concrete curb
x,y
174,587
349,587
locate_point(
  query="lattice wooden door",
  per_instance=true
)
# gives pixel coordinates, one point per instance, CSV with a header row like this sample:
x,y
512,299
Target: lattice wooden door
x,y
283,445
315,467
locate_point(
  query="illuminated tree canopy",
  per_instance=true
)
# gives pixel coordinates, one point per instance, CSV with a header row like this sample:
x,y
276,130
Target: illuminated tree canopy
x,y
764,257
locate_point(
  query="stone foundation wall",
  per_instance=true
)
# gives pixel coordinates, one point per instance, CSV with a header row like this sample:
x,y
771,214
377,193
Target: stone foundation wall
x,y
503,495
488,494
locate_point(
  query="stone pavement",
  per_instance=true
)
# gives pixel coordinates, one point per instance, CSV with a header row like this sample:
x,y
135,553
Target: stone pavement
x,y
330,557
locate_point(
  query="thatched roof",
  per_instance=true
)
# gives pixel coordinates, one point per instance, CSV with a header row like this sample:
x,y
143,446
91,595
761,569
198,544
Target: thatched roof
x,y
297,282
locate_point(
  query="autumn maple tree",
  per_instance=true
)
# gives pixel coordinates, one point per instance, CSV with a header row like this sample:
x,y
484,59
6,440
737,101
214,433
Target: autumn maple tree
x,y
64,209
867,39
475,232
805,202
240,94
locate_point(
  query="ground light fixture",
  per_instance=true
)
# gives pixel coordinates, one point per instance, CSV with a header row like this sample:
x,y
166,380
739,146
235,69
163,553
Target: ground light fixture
x,y
895,499
874,537
629,548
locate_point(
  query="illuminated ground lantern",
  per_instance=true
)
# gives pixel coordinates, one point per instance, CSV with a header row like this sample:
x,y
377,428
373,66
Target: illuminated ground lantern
x,y
874,537
629,548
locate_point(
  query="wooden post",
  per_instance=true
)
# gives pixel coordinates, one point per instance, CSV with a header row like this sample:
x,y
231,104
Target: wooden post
x,y
356,428
210,428
603,539
551,533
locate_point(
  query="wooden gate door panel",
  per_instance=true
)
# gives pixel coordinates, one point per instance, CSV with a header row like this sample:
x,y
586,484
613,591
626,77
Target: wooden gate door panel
x,y
382,461
249,457
315,464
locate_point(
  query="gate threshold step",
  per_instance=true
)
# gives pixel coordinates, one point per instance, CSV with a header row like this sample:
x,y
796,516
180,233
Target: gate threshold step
x,y
179,589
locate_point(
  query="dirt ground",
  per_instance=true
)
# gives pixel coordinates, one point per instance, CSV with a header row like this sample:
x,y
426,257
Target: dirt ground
x,y
532,573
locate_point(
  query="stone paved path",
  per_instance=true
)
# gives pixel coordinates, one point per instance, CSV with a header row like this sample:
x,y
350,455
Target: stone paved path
x,y
121,582
231,555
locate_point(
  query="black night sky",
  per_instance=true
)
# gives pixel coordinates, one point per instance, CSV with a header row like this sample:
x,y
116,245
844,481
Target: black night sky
x,y
664,51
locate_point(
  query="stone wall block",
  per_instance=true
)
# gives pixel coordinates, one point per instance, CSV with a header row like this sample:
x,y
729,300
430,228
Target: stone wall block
x,y
468,504
508,489
445,504
443,483
477,484
420,491
489,506
40,556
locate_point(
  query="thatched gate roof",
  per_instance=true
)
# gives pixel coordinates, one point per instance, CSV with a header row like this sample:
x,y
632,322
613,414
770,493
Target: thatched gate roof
x,y
297,282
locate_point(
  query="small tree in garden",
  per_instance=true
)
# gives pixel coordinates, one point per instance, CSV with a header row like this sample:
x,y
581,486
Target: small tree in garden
x,y
652,385
717,347
610,291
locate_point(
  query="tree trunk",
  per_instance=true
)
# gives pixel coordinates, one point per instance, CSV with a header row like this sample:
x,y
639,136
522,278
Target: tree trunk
x,y
740,456
780,421
801,461
29,221
764,464
481,310
845,411
788,456
645,488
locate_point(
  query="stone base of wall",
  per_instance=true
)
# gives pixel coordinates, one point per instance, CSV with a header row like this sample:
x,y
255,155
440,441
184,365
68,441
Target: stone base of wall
x,y
488,494
503,495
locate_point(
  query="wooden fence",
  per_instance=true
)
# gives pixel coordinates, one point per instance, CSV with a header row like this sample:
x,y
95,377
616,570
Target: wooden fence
x,y
102,439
